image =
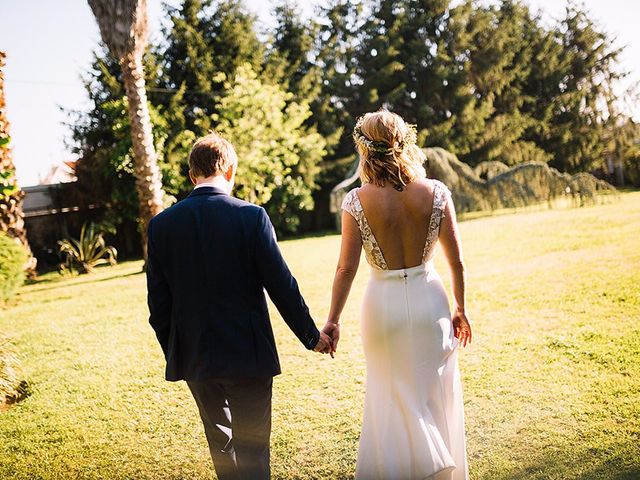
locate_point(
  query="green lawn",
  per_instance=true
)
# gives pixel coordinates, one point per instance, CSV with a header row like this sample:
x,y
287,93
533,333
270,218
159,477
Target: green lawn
x,y
552,379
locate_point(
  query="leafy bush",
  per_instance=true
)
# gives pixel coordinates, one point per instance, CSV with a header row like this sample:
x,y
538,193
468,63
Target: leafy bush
x,y
87,252
12,261
278,153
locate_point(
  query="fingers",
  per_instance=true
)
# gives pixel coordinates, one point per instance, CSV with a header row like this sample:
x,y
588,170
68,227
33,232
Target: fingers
x,y
320,346
336,338
324,344
333,331
461,329
464,336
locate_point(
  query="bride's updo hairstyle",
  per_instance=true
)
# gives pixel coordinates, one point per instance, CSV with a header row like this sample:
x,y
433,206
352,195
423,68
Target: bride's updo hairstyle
x,y
387,148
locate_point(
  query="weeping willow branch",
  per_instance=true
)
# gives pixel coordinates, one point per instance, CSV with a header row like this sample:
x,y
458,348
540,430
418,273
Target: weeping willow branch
x,y
494,185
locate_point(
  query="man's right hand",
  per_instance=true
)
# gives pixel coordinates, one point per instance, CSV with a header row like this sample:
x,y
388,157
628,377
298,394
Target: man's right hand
x,y
324,345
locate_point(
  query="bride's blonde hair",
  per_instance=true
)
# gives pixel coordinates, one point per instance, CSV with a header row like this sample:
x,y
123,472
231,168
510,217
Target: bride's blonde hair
x,y
388,150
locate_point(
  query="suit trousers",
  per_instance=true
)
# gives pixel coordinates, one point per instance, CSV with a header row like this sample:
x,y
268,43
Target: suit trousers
x,y
236,413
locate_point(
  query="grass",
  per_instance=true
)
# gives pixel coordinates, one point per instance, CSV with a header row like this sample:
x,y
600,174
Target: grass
x,y
552,380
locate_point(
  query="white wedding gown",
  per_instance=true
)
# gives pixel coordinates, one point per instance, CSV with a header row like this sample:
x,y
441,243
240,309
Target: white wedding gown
x,y
413,425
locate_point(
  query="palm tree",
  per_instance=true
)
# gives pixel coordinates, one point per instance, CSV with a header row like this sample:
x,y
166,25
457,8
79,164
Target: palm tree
x,y
11,214
123,27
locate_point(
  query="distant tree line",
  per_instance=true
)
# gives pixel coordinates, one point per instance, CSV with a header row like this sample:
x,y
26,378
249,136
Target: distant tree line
x,y
486,82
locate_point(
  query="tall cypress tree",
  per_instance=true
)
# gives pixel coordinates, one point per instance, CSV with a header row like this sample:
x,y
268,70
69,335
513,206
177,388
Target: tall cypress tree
x,y
187,64
398,59
205,43
289,57
336,57
489,49
575,126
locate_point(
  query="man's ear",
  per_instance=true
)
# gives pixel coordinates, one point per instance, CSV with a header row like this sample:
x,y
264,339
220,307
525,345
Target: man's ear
x,y
228,175
192,178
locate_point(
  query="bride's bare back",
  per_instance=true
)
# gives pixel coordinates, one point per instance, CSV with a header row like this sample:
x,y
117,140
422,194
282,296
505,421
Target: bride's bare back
x,y
397,230
399,220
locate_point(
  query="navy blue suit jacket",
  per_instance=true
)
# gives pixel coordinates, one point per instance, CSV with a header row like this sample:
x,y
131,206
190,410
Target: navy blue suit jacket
x,y
210,257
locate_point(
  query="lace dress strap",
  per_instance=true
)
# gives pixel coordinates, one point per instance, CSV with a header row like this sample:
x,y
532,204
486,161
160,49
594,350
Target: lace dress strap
x,y
351,204
440,196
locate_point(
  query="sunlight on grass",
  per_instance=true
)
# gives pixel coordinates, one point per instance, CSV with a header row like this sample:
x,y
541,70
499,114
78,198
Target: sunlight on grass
x,y
552,380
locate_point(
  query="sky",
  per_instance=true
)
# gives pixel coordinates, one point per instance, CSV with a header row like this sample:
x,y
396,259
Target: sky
x,y
49,46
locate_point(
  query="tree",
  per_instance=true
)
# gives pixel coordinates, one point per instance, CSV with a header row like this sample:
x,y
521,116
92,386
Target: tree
x,y
101,138
621,136
11,214
335,56
290,50
489,51
571,86
485,80
205,43
123,26
399,60
278,153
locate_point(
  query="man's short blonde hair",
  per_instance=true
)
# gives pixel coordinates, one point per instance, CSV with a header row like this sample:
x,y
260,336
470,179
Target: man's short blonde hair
x,y
211,155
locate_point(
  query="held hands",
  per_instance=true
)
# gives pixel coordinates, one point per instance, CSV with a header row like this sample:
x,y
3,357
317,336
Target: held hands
x,y
333,330
324,345
328,340
461,328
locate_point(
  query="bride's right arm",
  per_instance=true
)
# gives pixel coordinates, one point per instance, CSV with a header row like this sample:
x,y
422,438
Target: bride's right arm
x,y
350,249
450,240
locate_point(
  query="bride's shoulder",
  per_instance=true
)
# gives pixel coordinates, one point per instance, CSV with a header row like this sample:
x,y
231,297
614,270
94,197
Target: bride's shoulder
x,y
351,202
438,185
352,194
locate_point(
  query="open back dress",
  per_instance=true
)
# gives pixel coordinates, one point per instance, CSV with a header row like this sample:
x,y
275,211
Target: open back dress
x,y
413,425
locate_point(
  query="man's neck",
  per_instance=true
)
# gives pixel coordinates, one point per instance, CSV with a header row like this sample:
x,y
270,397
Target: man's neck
x,y
218,182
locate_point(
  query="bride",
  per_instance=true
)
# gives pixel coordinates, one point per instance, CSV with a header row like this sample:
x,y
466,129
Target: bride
x,y
413,426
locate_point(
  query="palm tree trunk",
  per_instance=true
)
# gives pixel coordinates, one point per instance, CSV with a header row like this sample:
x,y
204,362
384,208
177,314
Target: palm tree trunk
x,y
123,26
147,172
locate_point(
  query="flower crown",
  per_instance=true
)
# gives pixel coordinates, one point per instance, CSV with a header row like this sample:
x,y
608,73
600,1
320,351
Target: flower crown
x,y
361,139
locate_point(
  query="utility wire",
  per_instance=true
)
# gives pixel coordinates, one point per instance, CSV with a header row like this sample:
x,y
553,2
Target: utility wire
x,y
148,89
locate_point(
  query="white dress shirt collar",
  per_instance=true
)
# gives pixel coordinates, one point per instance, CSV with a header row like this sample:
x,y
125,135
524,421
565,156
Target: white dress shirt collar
x,y
207,184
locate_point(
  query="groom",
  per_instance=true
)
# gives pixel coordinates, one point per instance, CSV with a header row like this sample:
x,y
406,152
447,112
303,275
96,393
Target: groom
x,y
210,258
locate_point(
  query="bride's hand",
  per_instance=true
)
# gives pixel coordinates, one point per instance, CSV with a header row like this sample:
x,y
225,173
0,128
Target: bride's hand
x,y
333,330
461,328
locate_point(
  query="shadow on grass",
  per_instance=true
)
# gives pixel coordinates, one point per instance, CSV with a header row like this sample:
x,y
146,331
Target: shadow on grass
x,y
592,466
89,280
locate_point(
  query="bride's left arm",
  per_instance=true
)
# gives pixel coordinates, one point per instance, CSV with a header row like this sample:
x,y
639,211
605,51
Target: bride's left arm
x,y
451,246
346,270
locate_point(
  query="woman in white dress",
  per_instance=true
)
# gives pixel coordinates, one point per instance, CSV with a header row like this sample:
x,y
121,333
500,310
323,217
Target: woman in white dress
x,y
413,425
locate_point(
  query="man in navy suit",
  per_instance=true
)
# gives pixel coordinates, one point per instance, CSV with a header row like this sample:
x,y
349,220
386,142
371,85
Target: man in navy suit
x,y
210,258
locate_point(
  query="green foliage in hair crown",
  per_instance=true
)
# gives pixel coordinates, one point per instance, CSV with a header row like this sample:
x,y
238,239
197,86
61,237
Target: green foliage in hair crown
x,y
382,147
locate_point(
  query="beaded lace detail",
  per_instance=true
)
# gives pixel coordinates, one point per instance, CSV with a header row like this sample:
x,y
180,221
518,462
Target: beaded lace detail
x,y
351,204
440,194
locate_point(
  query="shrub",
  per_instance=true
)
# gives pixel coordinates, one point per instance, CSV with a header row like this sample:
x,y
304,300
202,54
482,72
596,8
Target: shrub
x,y
12,261
87,252
279,154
